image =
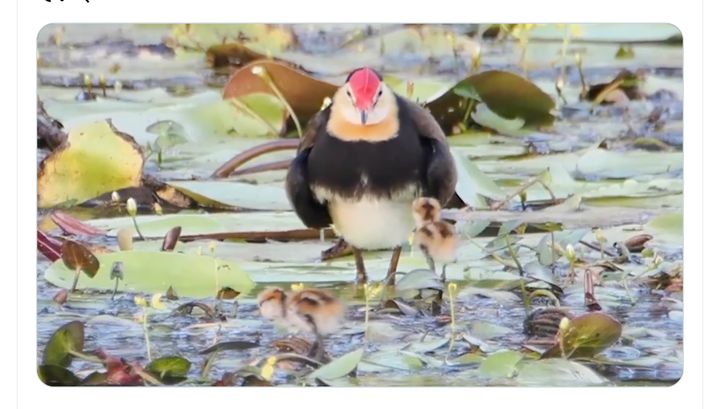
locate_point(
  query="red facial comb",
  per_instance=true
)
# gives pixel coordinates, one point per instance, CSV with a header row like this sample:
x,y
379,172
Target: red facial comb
x,y
364,83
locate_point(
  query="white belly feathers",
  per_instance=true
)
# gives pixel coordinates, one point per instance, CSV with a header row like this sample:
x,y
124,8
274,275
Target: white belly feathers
x,y
372,223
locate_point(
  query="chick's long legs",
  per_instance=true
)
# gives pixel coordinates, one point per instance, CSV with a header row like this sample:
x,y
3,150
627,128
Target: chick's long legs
x,y
361,275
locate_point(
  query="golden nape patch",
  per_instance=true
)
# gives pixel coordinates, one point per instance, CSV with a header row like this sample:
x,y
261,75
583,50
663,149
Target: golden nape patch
x,y
382,131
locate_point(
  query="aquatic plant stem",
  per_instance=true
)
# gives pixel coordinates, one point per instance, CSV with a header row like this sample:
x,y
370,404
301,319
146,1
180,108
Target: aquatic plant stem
x,y
75,280
366,293
265,75
146,333
452,288
86,357
137,228
526,300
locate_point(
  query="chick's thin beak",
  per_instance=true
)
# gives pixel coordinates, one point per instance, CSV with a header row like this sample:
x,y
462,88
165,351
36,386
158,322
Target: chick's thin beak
x,y
363,116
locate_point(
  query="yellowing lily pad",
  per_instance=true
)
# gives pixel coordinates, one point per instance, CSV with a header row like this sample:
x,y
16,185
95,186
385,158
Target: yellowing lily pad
x,y
153,272
95,159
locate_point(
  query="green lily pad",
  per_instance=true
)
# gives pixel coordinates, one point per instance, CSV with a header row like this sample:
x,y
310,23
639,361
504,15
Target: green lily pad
x,y
586,336
192,224
95,159
667,227
339,367
506,94
250,115
489,119
473,186
557,372
170,369
418,280
487,330
234,195
612,164
501,364
55,375
68,339
153,272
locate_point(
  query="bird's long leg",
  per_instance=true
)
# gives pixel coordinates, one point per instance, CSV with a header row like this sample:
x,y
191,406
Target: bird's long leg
x,y
431,262
317,351
392,268
442,277
361,276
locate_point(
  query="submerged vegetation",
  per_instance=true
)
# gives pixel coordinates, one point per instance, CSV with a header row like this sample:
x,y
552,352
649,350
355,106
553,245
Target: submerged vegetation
x,y
162,151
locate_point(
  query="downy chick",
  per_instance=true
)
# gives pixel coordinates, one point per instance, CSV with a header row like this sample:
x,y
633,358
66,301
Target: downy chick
x,y
435,238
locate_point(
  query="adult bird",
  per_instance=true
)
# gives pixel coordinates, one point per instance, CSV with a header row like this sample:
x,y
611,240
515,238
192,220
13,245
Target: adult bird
x,y
363,160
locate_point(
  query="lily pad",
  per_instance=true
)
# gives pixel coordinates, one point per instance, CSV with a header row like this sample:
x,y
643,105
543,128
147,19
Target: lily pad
x,y
506,94
193,224
501,364
171,369
339,367
304,93
55,375
78,257
487,330
418,280
473,186
586,336
153,272
249,115
68,339
667,227
557,372
234,195
95,159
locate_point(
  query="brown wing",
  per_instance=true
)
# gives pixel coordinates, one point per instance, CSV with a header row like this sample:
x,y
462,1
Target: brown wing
x,y
441,172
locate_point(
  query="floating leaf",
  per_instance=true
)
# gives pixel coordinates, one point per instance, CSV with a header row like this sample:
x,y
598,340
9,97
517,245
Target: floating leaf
x,y
54,375
486,330
234,195
557,372
304,93
95,159
339,367
502,297
153,272
418,280
511,226
71,225
170,369
506,94
250,115
667,227
193,224
586,336
612,164
474,186
486,117
230,346
501,364
68,339
78,257
472,228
